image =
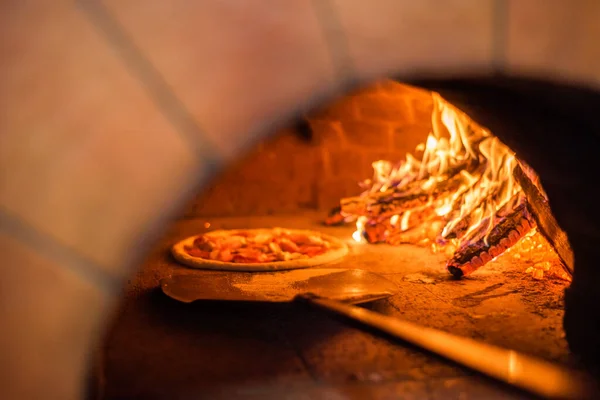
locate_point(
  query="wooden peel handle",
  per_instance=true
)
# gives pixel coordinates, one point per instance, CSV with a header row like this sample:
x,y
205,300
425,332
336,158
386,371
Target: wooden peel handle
x,y
528,373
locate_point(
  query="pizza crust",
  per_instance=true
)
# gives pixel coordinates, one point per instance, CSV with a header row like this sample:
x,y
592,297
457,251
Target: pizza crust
x,y
337,250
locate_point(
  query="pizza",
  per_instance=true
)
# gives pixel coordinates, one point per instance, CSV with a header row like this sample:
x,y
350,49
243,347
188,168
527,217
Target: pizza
x,y
258,249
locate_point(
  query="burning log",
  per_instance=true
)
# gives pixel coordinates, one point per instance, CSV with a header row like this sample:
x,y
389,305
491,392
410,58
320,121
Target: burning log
x,y
336,217
416,194
513,223
391,231
376,232
423,233
540,210
375,204
381,228
466,192
460,225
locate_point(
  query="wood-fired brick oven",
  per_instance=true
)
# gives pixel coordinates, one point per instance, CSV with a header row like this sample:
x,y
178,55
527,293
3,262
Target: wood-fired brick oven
x,y
160,78
360,153
294,180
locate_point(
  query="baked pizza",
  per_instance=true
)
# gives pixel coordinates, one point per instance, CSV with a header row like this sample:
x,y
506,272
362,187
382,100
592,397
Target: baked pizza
x,y
258,249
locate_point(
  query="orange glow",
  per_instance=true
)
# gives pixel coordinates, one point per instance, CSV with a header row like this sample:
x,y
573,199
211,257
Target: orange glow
x,y
456,149
456,193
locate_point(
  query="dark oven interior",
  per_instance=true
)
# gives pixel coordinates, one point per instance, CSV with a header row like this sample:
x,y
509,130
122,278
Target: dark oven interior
x,y
158,348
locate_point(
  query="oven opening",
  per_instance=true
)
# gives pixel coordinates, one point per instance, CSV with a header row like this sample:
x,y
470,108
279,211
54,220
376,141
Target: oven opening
x,y
458,201
425,194
461,192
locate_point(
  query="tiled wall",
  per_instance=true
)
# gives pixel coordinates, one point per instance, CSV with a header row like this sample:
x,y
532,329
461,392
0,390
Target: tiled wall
x,y
383,121
63,75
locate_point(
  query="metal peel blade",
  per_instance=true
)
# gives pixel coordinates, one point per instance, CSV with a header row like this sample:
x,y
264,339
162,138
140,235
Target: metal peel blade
x,y
346,285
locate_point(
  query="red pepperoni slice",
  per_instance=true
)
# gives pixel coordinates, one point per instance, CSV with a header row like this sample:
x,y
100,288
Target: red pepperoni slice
x,y
195,252
312,250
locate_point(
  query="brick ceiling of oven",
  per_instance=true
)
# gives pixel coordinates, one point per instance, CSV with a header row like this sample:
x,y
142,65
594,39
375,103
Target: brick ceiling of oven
x,y
382,121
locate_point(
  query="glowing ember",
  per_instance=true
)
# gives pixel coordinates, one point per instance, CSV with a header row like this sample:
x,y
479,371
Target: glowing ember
x,y
457,193
539,257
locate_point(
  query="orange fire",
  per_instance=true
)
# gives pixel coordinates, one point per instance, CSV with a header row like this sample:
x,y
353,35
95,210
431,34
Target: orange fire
x,y
452,192
454,149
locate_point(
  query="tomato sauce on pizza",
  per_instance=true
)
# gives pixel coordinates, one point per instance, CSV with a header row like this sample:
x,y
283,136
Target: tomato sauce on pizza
x,y
277,247
249,247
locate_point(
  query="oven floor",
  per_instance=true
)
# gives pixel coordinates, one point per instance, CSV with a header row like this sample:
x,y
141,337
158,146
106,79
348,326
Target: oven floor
x,y
160,349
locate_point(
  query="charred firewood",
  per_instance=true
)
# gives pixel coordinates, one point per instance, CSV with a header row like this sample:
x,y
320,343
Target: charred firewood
x,y
540,210
380,229
412,218
459,228
488,191
376,232
427,231
509,229
335,217
393,202
380,202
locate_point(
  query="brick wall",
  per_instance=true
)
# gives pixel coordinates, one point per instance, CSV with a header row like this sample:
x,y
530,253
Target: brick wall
x,y
383,121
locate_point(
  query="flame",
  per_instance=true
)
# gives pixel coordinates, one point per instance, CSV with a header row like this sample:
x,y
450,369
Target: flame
x,y
495,187
465,172
358,234
444,209
404,221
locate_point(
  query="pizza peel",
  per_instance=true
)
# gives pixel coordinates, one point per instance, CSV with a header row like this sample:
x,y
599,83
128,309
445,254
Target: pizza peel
x,y
348,285
336,290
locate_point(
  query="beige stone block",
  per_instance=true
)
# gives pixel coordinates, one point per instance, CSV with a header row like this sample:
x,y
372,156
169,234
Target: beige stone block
x,y
51,317
424,37
237,66
554,39
72,111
